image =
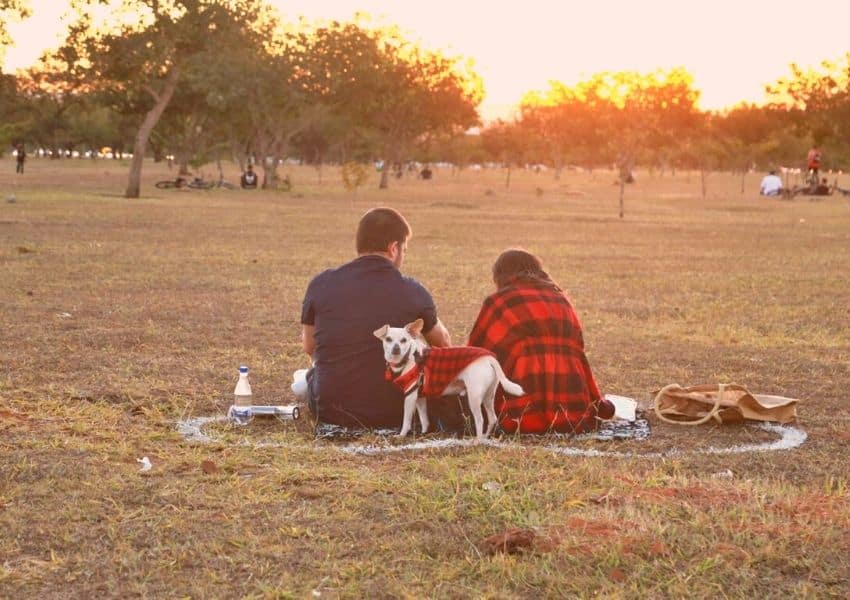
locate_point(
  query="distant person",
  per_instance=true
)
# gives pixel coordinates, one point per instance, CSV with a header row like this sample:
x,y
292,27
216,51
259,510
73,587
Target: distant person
x,y
426,173
823,188
771,185
248,181
20,159
813,160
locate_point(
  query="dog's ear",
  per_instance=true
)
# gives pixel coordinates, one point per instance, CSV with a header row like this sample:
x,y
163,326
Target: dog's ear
x,y
415,328
380,333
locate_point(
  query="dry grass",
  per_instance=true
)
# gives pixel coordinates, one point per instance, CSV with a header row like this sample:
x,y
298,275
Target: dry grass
x,y
119,317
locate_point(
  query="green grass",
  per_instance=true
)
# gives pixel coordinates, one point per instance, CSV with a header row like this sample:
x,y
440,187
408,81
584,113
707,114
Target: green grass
x,y
170,293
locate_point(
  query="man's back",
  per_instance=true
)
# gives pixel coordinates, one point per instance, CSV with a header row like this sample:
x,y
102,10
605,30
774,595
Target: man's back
x,y
346,305
771,185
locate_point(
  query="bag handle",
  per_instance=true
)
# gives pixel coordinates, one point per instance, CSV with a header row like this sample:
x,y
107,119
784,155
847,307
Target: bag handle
x,y
714,413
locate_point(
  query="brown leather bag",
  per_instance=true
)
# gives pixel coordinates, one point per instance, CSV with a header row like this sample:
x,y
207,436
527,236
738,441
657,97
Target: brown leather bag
x,y
722,403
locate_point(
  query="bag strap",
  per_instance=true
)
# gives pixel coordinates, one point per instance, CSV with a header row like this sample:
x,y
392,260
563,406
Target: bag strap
x,y
714,413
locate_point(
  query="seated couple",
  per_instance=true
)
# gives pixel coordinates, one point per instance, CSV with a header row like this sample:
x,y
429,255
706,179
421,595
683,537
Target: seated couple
x,y
528,323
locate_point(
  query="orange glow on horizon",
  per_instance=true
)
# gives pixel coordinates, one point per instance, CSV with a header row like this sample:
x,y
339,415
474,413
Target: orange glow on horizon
x,y
732,48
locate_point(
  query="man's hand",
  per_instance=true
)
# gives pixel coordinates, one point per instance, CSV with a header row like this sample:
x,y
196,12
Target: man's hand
x,y
308,339
438,336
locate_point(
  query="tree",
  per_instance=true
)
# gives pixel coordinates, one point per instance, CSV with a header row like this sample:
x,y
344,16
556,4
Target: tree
x,y
644,114
460,150
397,90
565,121
750,133
11,109
818,103
275,111
507,142
139,64
51,90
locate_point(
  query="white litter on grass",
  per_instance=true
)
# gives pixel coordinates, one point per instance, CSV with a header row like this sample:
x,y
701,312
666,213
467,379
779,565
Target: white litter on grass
x,y
492,486
790,438
192,429
146,464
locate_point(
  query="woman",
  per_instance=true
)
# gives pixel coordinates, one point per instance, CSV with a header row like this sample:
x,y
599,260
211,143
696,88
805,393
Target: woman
x,y
533,330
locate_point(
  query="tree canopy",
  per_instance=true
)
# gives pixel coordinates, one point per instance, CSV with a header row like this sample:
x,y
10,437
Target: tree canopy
x,y
208,79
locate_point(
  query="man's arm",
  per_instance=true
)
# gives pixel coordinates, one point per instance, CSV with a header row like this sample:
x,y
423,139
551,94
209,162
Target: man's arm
x,y
438,336
308,339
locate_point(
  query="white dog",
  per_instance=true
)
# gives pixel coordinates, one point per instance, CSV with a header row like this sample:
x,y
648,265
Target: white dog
x,y
421,372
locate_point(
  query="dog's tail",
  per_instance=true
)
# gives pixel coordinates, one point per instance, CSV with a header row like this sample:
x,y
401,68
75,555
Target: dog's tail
x,y
514,389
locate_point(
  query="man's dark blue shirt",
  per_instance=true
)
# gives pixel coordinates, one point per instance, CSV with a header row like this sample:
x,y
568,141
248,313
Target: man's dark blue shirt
x,y
346,305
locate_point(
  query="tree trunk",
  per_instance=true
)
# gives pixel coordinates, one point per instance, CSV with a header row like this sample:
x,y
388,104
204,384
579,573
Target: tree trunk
x,y
385,176
743,177
702,180
183,162
270,177
622,193
218,166
140,144
508,178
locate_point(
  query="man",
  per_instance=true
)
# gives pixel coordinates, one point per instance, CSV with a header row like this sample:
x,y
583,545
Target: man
x,y
21,159
771,185
344,306
248,179
813,160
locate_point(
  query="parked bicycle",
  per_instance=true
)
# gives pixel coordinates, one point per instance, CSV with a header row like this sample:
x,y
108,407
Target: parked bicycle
x,y
196,183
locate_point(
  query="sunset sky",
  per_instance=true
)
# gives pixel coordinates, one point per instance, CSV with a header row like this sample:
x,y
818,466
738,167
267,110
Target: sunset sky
x,y
732,47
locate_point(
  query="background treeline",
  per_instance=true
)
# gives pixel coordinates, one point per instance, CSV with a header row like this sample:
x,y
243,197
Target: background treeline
x,y
206,80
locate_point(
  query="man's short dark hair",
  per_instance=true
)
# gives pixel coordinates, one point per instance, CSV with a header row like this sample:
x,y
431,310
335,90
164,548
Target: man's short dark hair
x,y
380,227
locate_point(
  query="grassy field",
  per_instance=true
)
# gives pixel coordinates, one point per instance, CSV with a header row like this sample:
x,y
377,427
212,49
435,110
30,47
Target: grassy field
x,y
119,317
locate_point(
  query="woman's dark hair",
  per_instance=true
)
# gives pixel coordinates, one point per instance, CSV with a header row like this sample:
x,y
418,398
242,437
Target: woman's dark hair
x,y
380,227
516,263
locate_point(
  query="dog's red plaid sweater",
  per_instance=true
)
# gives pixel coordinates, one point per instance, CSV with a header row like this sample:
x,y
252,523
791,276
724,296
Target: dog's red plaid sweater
x,y
535,334
435,369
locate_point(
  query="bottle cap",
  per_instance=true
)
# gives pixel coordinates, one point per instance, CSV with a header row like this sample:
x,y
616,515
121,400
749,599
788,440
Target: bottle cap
x,y
243,369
